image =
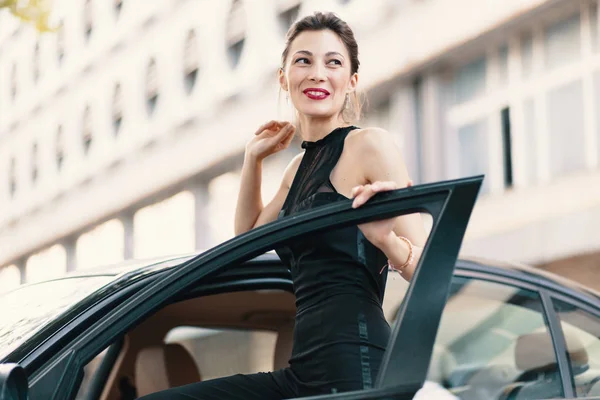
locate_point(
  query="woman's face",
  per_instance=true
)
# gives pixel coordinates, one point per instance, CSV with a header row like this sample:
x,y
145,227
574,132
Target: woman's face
x,y
317,74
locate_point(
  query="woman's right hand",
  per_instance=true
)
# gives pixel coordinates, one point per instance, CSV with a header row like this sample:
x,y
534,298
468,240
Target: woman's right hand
x,y
270,138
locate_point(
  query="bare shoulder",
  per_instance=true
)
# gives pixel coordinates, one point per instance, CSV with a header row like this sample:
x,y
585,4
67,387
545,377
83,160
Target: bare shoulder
x,y
369,139
291,169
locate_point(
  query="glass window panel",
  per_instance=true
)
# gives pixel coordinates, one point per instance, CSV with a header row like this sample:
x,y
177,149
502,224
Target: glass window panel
x,y
47,264
594,26
596,109
493,341
582,335
222,201
470,81
473,150
103,245
27,309
562,42
503,65
565,128
531,146
527,55
165,228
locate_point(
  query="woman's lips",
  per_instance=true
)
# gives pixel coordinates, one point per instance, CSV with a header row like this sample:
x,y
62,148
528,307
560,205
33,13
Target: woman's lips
x,y
316,94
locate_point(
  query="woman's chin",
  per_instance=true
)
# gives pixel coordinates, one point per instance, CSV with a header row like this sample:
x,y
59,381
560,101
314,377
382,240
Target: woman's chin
x,y
316,113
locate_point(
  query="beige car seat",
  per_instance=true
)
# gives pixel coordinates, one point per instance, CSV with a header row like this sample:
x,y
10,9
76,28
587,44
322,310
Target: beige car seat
x,y
163,367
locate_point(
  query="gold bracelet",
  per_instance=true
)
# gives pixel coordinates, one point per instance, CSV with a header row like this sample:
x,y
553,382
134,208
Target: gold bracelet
x,y
410,258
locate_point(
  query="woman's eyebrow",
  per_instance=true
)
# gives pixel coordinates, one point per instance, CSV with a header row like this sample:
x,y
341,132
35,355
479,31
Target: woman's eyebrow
x,y
329,53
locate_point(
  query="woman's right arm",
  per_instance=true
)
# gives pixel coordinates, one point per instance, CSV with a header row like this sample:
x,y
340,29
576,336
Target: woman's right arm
x,y
269,139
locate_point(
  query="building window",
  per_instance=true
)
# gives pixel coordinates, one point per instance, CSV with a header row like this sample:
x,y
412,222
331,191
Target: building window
x,y
288,13
190,61
12,178
470,81
151,86
60,42
34,163
596,114
36,61
118,7
527,55
531,144
87,130
503,65
88,19
594,26
562,42
507,147
236,32
60,148
13,82
117,109
473,150
566,128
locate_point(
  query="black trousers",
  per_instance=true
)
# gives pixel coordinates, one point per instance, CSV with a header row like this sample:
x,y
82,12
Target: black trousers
x,y
277,385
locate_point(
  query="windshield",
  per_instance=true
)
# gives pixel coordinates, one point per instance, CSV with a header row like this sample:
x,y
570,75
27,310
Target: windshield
x,y
25,310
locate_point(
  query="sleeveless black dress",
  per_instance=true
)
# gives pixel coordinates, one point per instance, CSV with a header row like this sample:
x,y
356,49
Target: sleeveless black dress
x,y
340,332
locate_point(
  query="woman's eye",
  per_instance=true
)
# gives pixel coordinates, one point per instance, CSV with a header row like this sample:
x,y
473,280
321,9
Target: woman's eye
x,y
302,58
338,62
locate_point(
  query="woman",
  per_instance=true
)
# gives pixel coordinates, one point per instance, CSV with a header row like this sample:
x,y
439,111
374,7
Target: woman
x,y
340,333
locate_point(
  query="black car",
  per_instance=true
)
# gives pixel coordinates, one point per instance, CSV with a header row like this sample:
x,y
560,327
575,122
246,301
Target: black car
x,y
474,329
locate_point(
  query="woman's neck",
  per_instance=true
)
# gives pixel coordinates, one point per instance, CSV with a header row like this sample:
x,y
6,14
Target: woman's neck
x,y
313,129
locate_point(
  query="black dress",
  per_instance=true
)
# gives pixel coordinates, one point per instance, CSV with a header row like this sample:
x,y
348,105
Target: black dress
x,y
340,332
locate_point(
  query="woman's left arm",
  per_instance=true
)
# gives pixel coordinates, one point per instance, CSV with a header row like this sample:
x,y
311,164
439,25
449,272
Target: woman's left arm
x,y
383,167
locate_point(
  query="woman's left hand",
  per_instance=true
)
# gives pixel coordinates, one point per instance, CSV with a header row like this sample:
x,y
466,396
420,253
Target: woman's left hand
x,y
376,232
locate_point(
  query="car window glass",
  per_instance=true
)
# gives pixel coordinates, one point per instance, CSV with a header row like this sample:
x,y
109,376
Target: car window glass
x,y
28,308
88,373
492,343
582,336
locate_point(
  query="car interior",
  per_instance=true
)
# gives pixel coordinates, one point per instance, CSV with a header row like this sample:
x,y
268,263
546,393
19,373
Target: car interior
x,y
500,349
183,343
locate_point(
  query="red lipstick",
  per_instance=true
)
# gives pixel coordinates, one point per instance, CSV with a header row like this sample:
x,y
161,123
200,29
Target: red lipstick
x,y
316,93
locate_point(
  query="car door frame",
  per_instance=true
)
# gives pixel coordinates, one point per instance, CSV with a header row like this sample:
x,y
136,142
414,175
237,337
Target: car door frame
x,y
450,203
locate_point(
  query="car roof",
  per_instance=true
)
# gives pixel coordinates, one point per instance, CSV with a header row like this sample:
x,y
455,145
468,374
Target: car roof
x,y
513,270
524,272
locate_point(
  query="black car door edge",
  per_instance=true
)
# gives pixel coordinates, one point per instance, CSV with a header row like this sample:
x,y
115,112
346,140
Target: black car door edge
x,y
450,203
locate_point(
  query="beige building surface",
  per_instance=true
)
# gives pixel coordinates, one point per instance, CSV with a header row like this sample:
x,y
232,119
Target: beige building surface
x,y
122,133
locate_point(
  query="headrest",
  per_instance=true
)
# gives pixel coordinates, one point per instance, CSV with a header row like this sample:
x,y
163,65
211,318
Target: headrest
x,y
535,352
163,367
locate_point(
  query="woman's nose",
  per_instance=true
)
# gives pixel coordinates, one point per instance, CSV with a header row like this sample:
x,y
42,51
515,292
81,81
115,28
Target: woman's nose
x,y
317,73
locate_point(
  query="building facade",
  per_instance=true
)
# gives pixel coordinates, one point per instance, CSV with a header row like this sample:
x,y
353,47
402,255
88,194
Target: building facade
x,y
122,133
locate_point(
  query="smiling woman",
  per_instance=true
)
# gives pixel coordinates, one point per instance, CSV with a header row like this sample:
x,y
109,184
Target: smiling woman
x,y
340,331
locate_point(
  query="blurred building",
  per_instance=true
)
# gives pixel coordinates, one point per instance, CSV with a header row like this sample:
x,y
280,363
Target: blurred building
x,y
122,134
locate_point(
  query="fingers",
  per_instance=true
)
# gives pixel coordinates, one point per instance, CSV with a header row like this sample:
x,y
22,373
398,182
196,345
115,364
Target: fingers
x,y
363,193
270,125
288,139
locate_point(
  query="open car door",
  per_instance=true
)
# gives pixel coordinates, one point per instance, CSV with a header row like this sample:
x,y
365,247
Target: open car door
x,y
409,351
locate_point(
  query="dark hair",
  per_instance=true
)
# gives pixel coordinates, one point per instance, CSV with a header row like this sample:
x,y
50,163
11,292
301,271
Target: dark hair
x,y
320,21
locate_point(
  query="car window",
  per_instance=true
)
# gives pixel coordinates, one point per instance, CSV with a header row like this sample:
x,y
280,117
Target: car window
x,y
493,342
28,308
88,373
582,336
